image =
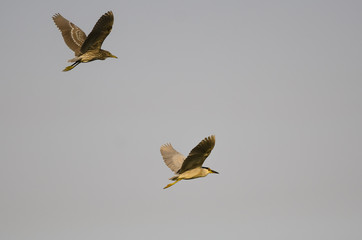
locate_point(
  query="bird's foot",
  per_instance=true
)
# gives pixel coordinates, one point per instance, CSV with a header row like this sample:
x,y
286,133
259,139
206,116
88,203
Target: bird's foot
x,y
169,185
68,68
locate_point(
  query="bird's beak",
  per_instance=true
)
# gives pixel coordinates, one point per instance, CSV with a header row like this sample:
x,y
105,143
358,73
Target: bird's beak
x,y
212,171
114,56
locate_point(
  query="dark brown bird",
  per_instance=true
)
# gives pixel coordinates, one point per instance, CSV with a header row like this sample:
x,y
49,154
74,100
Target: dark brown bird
x,y
85,48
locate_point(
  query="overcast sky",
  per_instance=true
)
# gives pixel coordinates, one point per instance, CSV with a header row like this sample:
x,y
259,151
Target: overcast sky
x,y
277,82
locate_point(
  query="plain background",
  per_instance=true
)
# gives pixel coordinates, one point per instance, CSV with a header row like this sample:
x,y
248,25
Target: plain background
x,y
277,82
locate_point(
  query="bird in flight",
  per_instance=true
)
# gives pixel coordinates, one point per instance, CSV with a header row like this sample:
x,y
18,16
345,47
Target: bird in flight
x,y
86,48
189,167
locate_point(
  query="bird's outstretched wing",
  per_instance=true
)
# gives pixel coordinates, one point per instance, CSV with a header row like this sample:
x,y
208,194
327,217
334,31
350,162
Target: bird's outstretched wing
x,y
198,155
100,31
73,36
171,157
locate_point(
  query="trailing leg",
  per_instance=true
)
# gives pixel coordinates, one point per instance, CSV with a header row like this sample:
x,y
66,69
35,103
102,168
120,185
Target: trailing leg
x,y
169,185
71,66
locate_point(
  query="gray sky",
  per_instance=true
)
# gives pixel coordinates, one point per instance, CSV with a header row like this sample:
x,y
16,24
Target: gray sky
x,y
277,82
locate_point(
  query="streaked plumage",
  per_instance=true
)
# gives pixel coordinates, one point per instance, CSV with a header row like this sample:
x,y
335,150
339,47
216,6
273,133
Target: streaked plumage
x,y
85,48
191,166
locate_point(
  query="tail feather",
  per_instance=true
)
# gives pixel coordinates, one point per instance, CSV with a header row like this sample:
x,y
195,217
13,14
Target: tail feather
x,y
74,59
174,178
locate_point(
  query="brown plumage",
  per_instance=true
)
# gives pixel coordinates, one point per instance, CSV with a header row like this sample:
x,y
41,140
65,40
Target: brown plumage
x,y
85,48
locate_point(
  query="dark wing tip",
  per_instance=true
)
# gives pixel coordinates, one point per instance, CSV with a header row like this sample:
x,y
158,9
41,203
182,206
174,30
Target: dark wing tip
x,y
55,16
208,144
205,147
104,23
108,14
210,140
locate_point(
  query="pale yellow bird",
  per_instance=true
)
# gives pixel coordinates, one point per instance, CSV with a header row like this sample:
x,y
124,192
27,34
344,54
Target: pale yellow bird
x,y
189,167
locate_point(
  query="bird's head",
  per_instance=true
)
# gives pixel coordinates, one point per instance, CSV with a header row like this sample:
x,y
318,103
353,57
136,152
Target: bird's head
x,y
107,54
211,171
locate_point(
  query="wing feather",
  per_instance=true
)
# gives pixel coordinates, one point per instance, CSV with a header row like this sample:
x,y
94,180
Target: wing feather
x,y
171,157
73,36
100,31
198,155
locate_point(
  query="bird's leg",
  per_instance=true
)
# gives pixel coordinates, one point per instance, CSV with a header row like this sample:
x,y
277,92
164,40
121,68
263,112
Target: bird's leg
x,y
169,185
71,66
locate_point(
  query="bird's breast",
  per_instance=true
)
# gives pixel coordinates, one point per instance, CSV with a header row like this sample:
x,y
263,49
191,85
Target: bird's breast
x,y
194,173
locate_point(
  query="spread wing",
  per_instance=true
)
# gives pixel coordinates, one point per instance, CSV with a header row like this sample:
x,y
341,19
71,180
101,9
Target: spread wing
x,y
171,157
73,36
100,31
198,155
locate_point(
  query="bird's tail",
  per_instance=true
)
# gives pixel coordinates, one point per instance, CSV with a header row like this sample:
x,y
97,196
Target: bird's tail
x,y
174,178
74,59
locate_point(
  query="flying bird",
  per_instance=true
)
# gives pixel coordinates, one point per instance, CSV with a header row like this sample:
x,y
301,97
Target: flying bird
x,y
85,48
189,167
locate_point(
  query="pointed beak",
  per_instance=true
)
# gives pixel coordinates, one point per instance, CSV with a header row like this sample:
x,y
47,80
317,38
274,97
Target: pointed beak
x,y
114,56
212,171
